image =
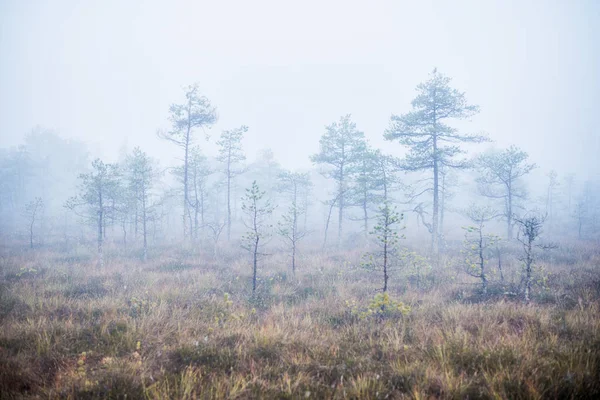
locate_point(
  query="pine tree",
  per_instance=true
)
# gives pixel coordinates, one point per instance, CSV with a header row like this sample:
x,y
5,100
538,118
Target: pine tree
x,y
195,113
258,212
387,238
141,177
296,185
500,173
432,143
340,150
98,193
478,245
231,154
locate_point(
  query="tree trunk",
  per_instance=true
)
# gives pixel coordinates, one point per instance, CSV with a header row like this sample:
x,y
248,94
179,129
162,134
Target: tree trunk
x,y
482,262
185,178
500,264
442,205
228,203
340,215
365,216
435,216
509,216
294,256
31,234
327,222
100,234
294,228
385,272
341,203
144,226
528,266
255,264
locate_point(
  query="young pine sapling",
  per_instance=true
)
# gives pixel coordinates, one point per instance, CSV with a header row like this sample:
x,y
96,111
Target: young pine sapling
x,y
478,245
387,238
258,212
530,230
31,212
293,184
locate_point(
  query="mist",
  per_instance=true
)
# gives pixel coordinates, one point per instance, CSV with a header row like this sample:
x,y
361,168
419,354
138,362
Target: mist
x,y
263,158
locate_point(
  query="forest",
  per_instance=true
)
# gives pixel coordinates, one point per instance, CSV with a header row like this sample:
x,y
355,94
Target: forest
x,y
214,277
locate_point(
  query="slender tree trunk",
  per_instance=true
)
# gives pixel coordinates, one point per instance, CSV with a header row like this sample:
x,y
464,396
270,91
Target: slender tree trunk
x,y
500,264
101,230
435,216
31,234
385,261
144,227
255,264
294,256
482,262
294,228
340,214
136,215
509,215
365,216
442,205
341,202
228,202
185,178
528,267
327,222
256,240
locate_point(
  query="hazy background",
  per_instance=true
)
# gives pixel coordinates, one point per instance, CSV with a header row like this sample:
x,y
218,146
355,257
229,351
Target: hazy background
x,y
106,71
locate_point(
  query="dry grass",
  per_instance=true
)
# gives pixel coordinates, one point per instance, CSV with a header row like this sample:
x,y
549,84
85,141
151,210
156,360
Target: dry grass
x,y
167,329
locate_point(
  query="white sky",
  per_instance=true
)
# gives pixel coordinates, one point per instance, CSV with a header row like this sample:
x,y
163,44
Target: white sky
x,y
106,71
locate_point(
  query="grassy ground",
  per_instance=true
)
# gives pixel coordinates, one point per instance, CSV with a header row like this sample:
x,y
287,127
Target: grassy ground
x,y
185,326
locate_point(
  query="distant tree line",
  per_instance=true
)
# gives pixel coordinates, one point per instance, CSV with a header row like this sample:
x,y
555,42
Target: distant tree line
x,y
50,191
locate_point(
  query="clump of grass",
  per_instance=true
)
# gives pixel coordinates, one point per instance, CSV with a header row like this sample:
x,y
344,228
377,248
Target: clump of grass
x,y
9,303
94,288
208,356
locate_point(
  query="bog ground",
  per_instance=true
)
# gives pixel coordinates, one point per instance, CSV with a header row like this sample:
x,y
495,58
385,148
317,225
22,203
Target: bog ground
x,y
185,326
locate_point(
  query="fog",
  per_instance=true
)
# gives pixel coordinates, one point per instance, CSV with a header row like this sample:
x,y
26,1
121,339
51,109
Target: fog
x,y
105,72
310,199
102,76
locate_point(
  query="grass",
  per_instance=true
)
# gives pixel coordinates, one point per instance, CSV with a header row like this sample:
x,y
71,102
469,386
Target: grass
x,y
183,326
